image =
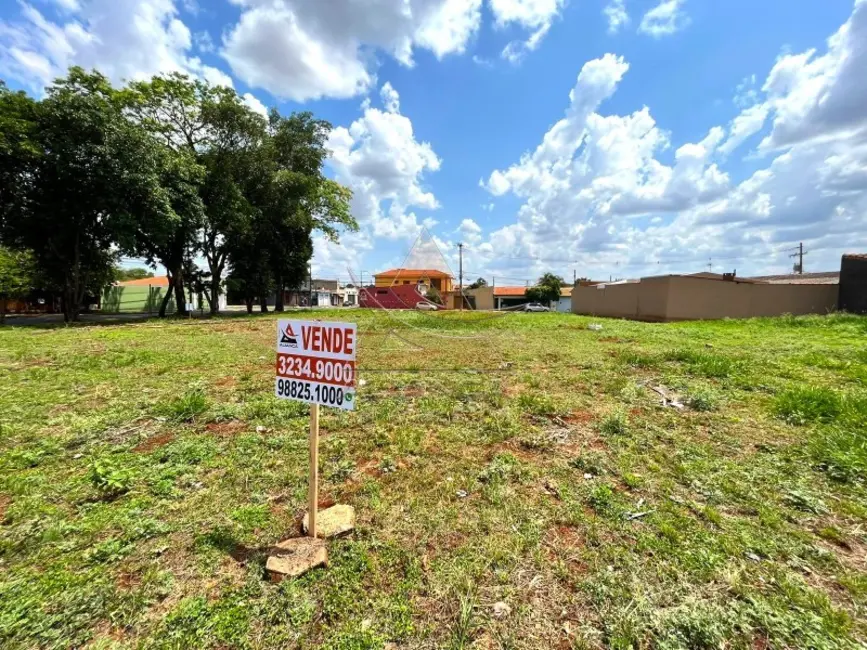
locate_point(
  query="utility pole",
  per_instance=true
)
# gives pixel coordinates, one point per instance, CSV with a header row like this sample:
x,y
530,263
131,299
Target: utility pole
x,y
800,255
461,271
574,277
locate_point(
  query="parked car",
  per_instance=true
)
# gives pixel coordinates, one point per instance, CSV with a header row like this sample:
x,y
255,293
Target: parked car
x,y
426,306
535,306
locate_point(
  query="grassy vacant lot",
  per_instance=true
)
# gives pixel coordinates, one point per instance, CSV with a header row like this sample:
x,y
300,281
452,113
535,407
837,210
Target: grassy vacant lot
x,y
517,481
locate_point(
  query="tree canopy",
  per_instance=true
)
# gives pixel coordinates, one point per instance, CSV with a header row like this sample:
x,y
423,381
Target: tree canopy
x,y
547,290
168,170
124,275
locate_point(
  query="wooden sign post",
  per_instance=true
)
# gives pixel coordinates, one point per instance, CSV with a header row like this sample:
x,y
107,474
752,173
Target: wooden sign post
x,y
313,488
316,364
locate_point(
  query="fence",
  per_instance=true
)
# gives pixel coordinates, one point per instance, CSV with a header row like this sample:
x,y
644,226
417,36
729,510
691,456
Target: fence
x,y
137,299
672,298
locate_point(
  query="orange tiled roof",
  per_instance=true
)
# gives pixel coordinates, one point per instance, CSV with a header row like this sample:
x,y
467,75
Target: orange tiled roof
x,y
506,292
430,273
159,281
517,292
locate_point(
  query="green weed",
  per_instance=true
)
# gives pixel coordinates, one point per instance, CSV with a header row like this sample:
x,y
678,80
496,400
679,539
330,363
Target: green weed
x,y
537,404
706,364
614,424
108,479
806,404
703,399
186,407
841,453
502,469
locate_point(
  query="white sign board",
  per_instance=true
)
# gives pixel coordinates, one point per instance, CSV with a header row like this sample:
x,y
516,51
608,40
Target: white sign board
x,y
316,362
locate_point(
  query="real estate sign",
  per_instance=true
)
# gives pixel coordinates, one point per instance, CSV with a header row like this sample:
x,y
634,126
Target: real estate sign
x,y
316,362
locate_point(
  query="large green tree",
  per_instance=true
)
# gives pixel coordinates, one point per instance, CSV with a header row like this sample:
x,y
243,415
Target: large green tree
x,y
90,169
19,151
297,198
234,174
170,109
547,290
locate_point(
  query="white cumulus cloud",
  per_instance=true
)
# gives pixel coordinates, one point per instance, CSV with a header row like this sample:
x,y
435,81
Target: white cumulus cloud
x,y
390,98
534,15
596,188
124,39
379,158
617,16
301,49
253,102
664,19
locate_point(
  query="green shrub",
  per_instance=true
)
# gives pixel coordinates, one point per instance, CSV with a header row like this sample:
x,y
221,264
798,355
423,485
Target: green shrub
x,y
590,462
502,469
615,424
108,479
703,399
841,453
807,404
637,359
601,499
187,406
537,404
711,365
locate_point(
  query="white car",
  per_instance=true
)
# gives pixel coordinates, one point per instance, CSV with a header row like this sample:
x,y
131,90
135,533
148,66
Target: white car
x,y
426,306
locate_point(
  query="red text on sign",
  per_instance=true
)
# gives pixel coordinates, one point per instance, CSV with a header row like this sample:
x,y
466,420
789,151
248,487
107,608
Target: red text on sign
x,y
335,372
337,340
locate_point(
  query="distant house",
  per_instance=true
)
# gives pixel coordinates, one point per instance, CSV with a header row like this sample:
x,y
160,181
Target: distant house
x,y
489,298
564,305
401,296
439,280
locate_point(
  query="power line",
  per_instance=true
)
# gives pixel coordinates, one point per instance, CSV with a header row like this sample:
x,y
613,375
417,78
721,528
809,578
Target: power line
x,y
659,261
799,267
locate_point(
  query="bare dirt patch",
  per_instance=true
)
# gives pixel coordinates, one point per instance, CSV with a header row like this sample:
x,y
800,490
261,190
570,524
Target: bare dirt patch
x,y
579,417
154,442
225,428
5,502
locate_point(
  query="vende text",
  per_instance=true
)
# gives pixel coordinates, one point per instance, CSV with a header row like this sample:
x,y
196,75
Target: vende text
x,y
337,340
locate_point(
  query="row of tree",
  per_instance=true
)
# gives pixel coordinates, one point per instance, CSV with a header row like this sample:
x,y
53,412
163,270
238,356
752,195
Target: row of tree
x,y
171,170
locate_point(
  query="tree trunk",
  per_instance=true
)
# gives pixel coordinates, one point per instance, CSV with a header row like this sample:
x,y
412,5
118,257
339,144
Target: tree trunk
x,y
249,302
3,310
165,303
263,304
278,301
73,279
180,297
214,298
215,266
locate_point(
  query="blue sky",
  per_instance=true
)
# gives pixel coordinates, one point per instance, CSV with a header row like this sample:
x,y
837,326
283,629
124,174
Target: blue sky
x,y
600,137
